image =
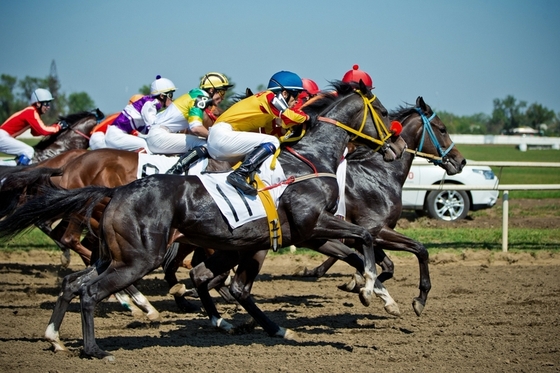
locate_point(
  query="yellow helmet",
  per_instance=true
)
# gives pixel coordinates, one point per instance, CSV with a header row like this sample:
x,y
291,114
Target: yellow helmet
x,y
215,80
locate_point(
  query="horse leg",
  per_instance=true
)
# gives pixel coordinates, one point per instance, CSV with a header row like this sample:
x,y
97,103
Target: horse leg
x,y
318,271
389,239
71,287
203,273
250,264
72,238
386,264
173,259
55,234
142,302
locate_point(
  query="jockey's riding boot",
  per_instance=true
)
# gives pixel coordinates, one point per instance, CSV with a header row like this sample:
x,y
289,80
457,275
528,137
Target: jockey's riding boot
x,y
22,160
184,162
252,162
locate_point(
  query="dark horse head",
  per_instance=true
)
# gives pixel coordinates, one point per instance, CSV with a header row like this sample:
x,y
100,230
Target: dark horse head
x,y
75,137
374,126
428,136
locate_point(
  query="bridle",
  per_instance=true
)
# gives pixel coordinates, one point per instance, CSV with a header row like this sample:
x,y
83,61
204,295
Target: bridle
x,y
427,128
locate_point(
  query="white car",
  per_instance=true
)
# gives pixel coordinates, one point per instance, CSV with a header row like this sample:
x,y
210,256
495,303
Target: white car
x,y
448,204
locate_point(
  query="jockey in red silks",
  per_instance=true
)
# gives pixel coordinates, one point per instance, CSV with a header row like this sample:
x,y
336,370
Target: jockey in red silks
x,y
30,117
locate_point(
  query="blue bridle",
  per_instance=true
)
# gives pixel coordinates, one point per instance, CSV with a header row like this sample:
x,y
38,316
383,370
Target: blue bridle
x,y
428,128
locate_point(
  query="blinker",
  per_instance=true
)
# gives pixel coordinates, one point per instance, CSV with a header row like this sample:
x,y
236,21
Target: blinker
x,y
396,128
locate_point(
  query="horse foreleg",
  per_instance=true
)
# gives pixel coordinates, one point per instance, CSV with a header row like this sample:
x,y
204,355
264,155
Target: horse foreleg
x,y
71,287
143,303
173,259
318,271
250,264
388,239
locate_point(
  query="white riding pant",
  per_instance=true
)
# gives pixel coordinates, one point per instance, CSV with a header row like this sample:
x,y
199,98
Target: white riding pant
x,y
118,139
97,141
12,146
161,141
228,145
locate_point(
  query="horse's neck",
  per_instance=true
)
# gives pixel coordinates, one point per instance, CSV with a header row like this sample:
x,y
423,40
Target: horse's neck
x,y
324,152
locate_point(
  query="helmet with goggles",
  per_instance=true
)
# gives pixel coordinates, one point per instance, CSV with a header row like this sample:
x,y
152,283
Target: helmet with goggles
x,y
161,86
215,80
40,95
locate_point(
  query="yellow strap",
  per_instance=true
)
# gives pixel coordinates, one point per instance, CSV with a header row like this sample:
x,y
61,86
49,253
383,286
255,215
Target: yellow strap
x,y
271,215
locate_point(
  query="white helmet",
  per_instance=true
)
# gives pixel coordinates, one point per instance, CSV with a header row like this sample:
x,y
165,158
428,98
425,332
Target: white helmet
x,y
40,95
161,85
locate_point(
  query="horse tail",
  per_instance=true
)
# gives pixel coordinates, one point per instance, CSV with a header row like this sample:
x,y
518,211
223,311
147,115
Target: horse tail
x,y
22,184
51,204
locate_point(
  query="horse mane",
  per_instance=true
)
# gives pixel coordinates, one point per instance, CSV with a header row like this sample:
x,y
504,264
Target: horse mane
x,y
74,117
402,112
326,98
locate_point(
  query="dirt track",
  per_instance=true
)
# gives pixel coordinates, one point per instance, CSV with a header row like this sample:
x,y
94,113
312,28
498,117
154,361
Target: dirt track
x,y
485,313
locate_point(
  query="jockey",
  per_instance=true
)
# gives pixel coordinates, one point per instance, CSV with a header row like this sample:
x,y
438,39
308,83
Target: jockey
x,y
310,90
232,138
133,123
30,117
186,113
97,137
355,75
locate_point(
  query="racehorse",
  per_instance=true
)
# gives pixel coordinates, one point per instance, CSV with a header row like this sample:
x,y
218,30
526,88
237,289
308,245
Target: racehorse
x,y
370,179
140,217
75,137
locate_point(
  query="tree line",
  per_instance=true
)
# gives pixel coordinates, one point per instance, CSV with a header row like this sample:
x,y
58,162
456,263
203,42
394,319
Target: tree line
x,y
508,113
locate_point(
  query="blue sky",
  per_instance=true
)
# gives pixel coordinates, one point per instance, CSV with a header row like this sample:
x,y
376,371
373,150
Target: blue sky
x,y
459,55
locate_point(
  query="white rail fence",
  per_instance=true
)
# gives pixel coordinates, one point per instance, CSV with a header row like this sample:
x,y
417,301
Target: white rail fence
x,y
505,188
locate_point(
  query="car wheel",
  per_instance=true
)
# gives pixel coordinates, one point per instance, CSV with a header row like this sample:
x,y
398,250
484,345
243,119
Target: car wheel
x,y
448,205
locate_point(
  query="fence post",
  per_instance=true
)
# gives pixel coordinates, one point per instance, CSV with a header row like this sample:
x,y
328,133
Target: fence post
x,y
505,213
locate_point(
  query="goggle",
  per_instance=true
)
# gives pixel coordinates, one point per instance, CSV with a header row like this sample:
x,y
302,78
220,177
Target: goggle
x,y
221,92
46,103
169,95
295,94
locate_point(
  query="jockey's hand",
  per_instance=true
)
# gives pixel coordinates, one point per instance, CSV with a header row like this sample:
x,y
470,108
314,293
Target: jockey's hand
x,y
202,102
63,125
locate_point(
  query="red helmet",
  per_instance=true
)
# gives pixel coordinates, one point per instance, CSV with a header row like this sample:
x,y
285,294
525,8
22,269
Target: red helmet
x,y
310,86
355,75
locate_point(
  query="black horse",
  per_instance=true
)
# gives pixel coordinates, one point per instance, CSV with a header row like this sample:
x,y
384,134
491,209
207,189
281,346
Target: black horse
x,y
140,217
380,184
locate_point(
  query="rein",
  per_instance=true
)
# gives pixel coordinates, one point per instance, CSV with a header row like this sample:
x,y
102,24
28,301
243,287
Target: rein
x,y
382,130
428,128
293,179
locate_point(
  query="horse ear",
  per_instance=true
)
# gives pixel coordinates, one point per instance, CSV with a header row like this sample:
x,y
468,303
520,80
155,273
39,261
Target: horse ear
x,y
248,92
363,88
420,103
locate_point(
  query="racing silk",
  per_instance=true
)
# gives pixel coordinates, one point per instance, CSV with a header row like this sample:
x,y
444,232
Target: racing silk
x,y
185,106
138,116
25,119
258,111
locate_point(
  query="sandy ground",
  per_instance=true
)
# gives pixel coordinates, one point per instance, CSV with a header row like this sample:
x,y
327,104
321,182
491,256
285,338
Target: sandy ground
x,y
486,313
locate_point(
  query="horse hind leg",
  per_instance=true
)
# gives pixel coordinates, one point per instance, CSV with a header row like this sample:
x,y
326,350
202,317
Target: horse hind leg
x,y
70,288
142,303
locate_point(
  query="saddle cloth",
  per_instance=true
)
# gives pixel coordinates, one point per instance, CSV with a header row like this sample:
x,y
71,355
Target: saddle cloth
x,y
236,207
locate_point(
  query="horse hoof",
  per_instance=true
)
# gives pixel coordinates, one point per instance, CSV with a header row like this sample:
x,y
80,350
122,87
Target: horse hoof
x,y
393,309
109,358
154,316
365,297
287,334
300,271
178,290
65,259
137,313
349,287
418,306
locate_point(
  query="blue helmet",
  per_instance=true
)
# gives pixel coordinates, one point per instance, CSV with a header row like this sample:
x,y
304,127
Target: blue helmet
x,y
285,80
